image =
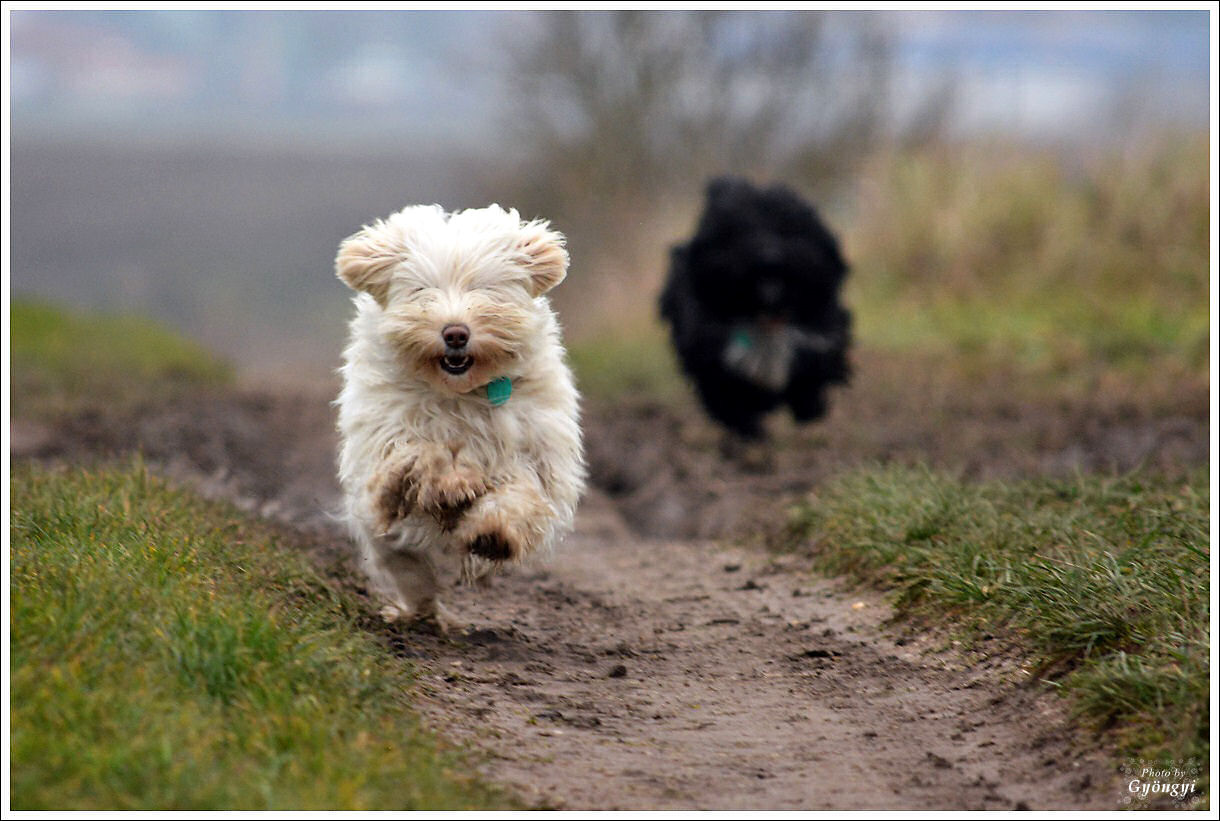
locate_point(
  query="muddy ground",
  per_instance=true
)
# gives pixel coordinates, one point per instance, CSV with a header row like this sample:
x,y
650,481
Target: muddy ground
x,y
660,661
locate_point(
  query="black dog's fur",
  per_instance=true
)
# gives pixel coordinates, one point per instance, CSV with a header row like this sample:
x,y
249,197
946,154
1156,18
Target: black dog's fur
x,y
760,267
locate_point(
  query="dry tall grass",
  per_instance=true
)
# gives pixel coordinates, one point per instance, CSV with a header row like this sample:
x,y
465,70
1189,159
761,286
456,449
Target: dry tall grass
x,y
1026,255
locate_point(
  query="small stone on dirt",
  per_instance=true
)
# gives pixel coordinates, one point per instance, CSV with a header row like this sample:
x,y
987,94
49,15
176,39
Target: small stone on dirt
x,y
618,671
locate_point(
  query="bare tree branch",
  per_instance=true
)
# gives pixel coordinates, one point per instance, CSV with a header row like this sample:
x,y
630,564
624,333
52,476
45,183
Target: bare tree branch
x,y
624,106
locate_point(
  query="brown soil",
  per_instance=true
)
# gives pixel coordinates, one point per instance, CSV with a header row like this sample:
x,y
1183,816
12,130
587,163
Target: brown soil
x,y
655,663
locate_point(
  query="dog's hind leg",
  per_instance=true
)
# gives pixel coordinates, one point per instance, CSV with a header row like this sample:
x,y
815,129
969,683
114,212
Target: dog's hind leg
x,y
414,581
807,403
407,581
736,405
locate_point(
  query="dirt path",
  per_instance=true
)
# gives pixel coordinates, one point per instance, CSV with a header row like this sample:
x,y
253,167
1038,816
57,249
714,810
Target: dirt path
x,y
634,673
650,667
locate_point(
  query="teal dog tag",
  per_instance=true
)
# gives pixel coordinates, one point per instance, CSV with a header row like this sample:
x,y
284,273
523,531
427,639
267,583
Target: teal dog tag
x,y
498,390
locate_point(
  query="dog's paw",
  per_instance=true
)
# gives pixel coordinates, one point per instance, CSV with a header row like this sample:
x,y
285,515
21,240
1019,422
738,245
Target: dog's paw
x,y
391,613
507,524
494,546
437,619
397,494
494,539
449,495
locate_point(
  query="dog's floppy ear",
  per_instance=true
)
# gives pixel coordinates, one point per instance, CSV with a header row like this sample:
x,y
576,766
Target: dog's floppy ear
x,y
545,258
367,258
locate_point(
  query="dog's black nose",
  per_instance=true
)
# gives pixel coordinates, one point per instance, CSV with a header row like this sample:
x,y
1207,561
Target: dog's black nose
x,y
456,336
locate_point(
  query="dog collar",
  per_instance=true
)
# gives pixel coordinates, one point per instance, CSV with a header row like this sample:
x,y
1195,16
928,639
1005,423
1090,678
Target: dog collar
x,y
498,390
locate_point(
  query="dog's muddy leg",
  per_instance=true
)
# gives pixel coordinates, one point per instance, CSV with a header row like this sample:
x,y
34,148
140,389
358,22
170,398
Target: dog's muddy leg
x,y
427,477
507,523
395,491
450,486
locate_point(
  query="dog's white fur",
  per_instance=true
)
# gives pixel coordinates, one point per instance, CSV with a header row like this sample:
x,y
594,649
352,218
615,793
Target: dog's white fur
x,y
434,476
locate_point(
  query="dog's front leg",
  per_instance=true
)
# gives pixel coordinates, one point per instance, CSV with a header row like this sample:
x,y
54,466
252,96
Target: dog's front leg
x,y
429,477
507,523
450,486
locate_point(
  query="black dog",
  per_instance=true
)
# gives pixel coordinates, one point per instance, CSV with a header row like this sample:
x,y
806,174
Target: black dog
x,y
753,304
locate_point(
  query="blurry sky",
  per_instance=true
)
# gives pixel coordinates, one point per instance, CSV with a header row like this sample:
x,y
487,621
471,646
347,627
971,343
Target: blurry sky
x,y
435,75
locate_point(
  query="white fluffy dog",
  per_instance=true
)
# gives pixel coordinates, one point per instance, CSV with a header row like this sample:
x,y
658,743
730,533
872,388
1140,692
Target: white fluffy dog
x,y
458,418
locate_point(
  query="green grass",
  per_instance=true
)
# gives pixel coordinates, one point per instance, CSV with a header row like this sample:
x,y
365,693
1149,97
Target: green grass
x,y
63,360
1104,580
169,654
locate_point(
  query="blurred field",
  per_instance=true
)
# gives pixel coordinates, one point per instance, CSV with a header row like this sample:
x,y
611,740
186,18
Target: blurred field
x,y
61,359
232,245
1066,272
1000,253
1062,264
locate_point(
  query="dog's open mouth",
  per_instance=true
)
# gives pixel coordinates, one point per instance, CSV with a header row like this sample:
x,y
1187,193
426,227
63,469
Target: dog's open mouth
x,y
456,363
